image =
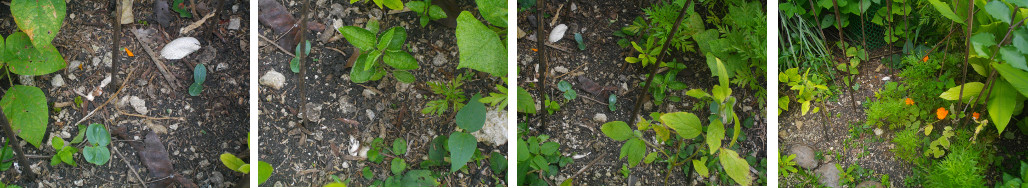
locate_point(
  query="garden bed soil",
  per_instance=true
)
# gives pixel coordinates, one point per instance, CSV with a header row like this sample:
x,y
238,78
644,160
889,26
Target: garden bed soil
x,y
602,61
308,155
194,130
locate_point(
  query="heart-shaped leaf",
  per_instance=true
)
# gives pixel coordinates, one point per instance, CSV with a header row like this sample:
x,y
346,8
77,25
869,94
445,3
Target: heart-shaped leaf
x,y
480,48
686,124
472,116
25,107
40,19
462,147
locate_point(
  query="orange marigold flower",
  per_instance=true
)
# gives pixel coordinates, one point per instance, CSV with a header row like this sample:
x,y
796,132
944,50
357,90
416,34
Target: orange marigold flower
x,y
975,115
941,113
909,101
925,59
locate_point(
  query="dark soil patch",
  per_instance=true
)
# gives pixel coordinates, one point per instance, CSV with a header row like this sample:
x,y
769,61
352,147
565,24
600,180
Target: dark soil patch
x,y
307,155
211,124
603,61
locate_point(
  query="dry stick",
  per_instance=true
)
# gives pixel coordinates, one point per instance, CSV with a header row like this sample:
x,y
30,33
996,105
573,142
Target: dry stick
x,y
127,77
542,56
9,133
653,70
842,38
970,22
302,57
133,169
160,65
276,45
148,117
117,40
593,100
991,81
591,163
569,72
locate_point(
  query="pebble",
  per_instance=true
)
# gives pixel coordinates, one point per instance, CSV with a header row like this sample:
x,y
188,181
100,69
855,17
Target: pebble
x,y
273,79
221,66
313,111
233,24
829,175
371,114
368,93
73,65
216,179
79,182
599,117
138,104
561,69
27,80
439,59
57,81
558,33
494,132
345,106
804,156
878,131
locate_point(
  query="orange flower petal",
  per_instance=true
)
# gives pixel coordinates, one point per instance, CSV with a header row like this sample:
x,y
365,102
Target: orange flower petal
x,y
925,59
909,101
975,115
535,50
941,113
129,52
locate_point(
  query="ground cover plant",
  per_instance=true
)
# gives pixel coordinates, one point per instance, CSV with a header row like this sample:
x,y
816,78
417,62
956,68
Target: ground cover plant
x,y
682,101
905,109
403,94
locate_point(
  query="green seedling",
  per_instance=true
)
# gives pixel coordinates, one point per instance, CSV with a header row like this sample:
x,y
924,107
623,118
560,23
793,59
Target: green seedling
x,y
388,50
199,76
569,93
426,11
612,102
453,96
392,4
64,153
96,151
294,64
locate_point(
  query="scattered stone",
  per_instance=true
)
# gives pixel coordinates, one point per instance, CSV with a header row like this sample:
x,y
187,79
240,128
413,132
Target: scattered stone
x,y
216,179
345,106
138,104
27,80
439,59
558,33
878,131
829,175
574,7
886,78
313,111
368,93
273,79
371,114
599,117
221,66
494,132
57,81
233,24
79,182
870,184
804,156
561,69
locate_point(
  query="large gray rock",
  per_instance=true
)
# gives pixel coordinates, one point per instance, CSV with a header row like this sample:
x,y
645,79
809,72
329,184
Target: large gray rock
x,y
829,175
804,156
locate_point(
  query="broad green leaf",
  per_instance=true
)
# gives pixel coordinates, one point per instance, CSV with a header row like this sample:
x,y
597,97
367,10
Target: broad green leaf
x,y
245,169
946,10
686,124
617,130
231,161
1021,40
359,37
263,171
1002,103
435,12
294,64
416,6
199,73
549,148
737,168
359,75
498,163
480,48
970,90
983,41
397,166
57,143
462,146
697,93
1016,78
1013,57
392,4
998,10
662,133
494,11
26,59
635,150
400,60
526,103
563,85
715,133
195,89
40,19
522,150
472,116
78,137
97,134
66,155
98,155
701,167
404,76
650,157
26,109
399,146
805,106
397,36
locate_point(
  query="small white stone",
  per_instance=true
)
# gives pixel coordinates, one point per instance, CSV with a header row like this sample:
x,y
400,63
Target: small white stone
x,y
599,117
558,33
273,79
139,105
57,81
886,78
233,24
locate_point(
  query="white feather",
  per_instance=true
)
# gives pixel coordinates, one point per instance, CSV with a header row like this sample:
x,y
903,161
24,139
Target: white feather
x,y
180,47
558,33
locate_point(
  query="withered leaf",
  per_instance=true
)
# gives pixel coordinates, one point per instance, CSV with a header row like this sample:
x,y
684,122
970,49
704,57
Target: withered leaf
x,y
590,86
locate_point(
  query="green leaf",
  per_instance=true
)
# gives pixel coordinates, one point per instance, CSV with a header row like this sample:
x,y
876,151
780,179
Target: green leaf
x,y
526,103
98,155
1013,57
472,116
998,10
399,146
983,41
199,73
494,11
403,76
195,89
635,150
359,37
78,137
398,166
580,41
549,148
263,171
737,168
66,155
26,59
40,19
57,143
970,90
946,11
179,6
686,124
26,109
715,133
1021,40
435,12
416,6
650,157
498,163
612,102
97,135
360,75
480,48
396,36
617,130
231,161
392,4
1016,78
462,146
701,167
522,150
1002,104
400,60
698,93
564,86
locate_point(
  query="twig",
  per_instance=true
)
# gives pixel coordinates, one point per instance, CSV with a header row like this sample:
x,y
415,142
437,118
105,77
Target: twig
x,y
194,25
160,65
569,72
148,117
127,77
591,163
276,45
594,100
133,169
551,45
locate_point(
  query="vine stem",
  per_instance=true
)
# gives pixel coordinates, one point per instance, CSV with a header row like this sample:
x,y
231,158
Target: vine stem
x,y
11,140
967,53
653,69
302,56
541,46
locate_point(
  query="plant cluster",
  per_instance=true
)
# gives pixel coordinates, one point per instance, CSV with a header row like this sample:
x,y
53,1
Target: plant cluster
x,y
386,48
542,158
809,89
199,76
